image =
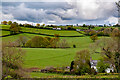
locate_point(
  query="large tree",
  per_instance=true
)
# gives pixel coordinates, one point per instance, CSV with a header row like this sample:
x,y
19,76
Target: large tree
x,y
82,62
12,61
110,49
9,22
4,22
14,28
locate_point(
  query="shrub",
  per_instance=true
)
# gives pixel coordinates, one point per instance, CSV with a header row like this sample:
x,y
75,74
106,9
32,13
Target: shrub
x,y
82,62
9,22
4,22
14,28
63,44
94,37
37,24
42,42
101,33
39,42
12,62
102,66
56,35
74,46
21,41
92,32
92,71
107,31
53,42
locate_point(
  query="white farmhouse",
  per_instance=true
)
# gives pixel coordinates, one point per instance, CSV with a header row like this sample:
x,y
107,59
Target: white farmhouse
x,y
58,29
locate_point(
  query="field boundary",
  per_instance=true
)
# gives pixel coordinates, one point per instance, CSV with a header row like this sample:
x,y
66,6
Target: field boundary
x,y
37,34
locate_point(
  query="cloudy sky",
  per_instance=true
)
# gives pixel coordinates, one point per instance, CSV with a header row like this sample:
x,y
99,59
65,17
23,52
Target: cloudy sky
x,y
60,12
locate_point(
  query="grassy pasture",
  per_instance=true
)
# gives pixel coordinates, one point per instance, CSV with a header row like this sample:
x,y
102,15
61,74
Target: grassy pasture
x,y
45,31
74,77
43,57
51,32
2,33
4,26
15,37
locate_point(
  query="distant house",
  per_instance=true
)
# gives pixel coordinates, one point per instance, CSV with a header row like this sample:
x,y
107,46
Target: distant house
x,y
78,30
58,29
94,65
54,28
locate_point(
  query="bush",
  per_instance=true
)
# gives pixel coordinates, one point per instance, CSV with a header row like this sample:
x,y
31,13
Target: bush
x,y
9,22
74,46
92,71
63,44
101,33
14,28
102,66
92,32
53,42
82,62
12,61
94,37
56,35
21,41
42,42
4,22
37,42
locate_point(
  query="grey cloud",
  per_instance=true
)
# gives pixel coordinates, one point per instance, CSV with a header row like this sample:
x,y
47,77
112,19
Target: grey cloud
x,y
61,13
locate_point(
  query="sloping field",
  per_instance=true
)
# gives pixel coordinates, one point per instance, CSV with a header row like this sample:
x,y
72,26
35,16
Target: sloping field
x,y
2,33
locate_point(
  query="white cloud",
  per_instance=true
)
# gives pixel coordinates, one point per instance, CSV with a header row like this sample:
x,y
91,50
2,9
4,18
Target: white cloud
x,y
6,16
56,0
80,12
112,20
92,9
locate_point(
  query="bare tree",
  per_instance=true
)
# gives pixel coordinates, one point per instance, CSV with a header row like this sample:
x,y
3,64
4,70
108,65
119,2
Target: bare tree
x,y
63,44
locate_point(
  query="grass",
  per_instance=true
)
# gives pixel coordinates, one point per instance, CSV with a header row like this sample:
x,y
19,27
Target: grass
x,y
4,26
53,75
45,31
15,37
2,33
80,42
51,32
43,57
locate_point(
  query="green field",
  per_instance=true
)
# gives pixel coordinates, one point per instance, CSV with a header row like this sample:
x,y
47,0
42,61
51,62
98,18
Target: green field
x,y
46,57
2,33
4,26
15,37
41,57
53,75
51,32
45,31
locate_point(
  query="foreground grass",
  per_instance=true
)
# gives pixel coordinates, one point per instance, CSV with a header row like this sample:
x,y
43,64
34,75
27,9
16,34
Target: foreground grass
x,y
45,57
53,75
